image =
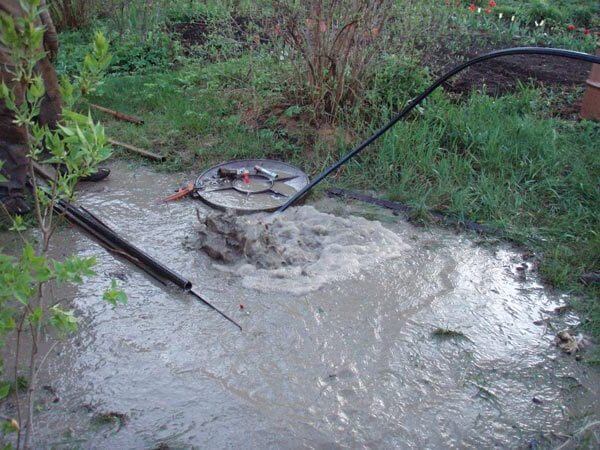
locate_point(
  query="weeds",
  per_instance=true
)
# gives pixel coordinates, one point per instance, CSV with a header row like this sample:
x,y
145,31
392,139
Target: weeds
x,y
71,14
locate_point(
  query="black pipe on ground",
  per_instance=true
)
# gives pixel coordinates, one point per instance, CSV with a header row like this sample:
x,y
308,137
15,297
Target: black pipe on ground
x,y
441,80
113,242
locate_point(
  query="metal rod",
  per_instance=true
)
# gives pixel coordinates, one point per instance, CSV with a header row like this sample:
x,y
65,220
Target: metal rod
x,y
495,54
131,252
199,296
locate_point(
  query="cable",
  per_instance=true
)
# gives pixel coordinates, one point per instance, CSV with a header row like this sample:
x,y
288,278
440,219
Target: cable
x,y
495,54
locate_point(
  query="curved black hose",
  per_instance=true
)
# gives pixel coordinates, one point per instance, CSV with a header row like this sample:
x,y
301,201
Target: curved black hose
x,y
495,54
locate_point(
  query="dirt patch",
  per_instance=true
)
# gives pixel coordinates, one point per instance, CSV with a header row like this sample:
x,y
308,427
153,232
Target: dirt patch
x,y
242,29
192,33
502,75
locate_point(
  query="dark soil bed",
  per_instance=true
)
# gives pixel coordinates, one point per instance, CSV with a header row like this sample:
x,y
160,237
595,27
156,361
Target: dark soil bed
x,y
195,32
191,33
502,75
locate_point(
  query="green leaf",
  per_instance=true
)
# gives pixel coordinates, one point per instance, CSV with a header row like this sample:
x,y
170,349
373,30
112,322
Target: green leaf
x,y
63,321
9,426
36,315
36,265
17,224
4,389
73,269
114,295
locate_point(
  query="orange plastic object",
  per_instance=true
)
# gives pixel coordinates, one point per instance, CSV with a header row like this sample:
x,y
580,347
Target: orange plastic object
x,y
590,108
181,192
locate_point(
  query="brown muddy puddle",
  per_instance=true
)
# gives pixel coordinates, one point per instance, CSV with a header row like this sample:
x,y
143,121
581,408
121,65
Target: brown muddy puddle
x,y
351,362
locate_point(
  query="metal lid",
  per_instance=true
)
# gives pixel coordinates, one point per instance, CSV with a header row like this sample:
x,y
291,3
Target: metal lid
x,y
266,186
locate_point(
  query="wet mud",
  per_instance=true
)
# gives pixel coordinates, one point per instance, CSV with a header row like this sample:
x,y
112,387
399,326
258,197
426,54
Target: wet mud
x,y
396,337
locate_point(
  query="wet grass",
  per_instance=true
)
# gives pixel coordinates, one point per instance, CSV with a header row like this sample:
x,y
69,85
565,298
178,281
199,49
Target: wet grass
x,y
110,418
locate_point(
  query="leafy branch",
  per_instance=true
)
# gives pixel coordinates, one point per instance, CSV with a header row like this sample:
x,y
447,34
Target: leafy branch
x,y
76,146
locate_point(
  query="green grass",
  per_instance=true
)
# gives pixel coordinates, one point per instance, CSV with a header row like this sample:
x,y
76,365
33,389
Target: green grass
x,y
195,115
440,33
582,13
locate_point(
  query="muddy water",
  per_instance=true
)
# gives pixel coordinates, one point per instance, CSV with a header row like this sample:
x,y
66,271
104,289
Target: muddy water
x,y
297,251
351,363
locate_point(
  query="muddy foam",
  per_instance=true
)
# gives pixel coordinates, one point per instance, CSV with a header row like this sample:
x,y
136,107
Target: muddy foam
x,y
297,251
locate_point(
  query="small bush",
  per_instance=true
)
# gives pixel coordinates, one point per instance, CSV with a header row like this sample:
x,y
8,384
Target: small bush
x,y
158,51
540,10
395,82
336,42
132,54
582,16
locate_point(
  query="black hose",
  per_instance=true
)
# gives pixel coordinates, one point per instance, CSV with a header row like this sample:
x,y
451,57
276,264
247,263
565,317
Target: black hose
x,y
495,54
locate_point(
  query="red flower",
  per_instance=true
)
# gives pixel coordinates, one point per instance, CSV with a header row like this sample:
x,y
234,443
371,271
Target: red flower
x,y
472,8
492,3
586,32
241,306
488,10
571,27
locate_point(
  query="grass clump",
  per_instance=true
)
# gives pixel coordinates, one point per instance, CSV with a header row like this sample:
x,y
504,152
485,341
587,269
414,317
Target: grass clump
x,y
131,53
194,115
447,333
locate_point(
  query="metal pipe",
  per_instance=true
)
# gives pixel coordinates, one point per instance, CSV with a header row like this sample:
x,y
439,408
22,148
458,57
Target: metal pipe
x,y
441,80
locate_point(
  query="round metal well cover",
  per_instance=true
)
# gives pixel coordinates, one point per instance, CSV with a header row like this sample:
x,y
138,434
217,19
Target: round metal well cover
x,y
261,193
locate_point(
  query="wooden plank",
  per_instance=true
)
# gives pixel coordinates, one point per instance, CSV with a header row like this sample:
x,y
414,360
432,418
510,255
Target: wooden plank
x,y
139,151
118,115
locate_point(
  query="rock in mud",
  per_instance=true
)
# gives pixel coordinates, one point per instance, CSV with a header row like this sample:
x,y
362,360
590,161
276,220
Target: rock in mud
x,y
296,251
568,343
590,278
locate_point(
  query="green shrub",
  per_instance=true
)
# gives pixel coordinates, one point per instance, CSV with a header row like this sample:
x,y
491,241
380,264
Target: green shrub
x,y
156,51
582,16
541,10
134,54
395,82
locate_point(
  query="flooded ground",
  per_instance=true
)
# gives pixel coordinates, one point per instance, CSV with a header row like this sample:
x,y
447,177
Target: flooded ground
x,y
350,361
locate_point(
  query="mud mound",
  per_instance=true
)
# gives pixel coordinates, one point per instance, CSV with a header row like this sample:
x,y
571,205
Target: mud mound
x,y
500,76
297,251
